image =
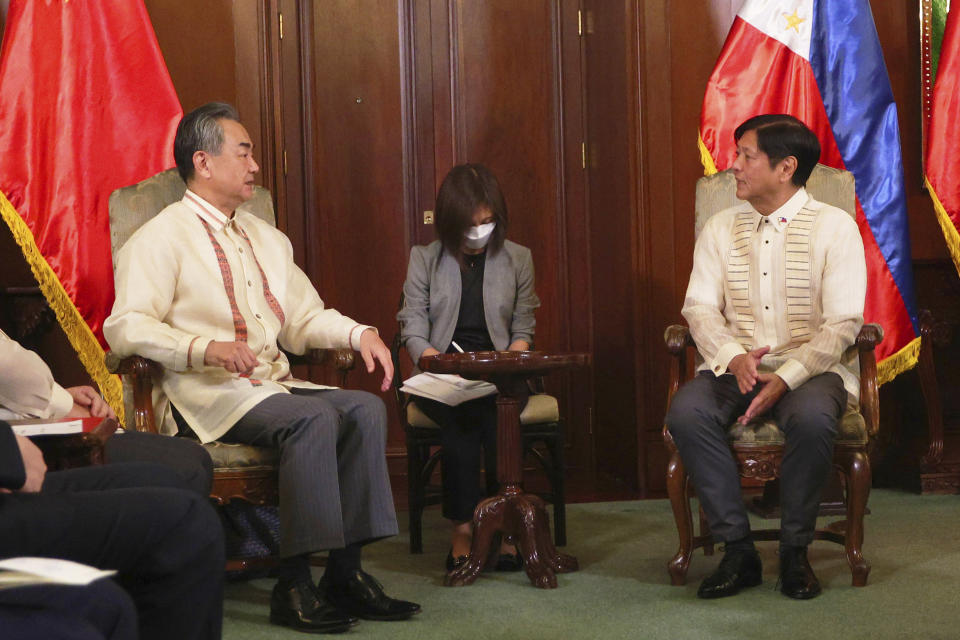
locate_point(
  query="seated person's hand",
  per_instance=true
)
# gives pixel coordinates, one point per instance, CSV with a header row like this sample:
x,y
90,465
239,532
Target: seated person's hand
x,y
372,349
429,351
33,465
519,345
772,388
235,357
87,402
744,367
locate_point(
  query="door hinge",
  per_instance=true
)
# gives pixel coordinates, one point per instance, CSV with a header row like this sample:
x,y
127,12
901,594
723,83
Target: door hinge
x,y
583,155
281,26
584,22
284,162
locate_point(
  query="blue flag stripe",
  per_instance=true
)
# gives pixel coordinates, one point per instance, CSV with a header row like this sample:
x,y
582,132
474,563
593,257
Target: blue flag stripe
x,y
848,65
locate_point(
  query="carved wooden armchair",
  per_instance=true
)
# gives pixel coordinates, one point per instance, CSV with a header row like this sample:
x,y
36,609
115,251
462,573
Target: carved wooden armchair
x,y
240,471
758,446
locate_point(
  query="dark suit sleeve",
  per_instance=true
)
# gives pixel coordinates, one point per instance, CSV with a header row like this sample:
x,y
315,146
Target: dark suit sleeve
x,y
12,473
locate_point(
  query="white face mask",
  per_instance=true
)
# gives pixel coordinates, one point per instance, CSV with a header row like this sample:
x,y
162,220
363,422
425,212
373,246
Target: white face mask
x,y
478,237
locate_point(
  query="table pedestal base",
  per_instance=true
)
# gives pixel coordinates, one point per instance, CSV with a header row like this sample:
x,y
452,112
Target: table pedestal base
x,y
522,519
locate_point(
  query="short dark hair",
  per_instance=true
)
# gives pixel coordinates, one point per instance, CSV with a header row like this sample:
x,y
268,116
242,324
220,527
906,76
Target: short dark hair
x,y
466,188
200,130
780,135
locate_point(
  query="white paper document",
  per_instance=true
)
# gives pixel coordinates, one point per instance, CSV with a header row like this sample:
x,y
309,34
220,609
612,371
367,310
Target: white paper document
x,y
16,572
447,388
40,428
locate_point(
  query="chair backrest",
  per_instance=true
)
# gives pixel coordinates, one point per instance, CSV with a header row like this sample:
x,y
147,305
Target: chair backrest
x,y
719,191
132,206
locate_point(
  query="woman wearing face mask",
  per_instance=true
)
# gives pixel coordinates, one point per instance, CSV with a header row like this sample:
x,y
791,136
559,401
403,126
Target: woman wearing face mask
x,y
470,288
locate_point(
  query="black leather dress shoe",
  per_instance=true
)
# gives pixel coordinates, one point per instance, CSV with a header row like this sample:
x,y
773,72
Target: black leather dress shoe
x,y
737,570
362,596
297,605
796,576
455,563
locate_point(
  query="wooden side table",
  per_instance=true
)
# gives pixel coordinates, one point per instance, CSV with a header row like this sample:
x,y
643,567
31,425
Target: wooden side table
x,y
520,517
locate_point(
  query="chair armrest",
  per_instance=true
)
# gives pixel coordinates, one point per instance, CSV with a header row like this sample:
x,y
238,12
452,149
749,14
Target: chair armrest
x,y
932,332
342,360
678,339
867,340
140,372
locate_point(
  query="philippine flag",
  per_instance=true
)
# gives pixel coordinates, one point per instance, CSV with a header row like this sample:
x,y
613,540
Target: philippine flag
x,y
820,60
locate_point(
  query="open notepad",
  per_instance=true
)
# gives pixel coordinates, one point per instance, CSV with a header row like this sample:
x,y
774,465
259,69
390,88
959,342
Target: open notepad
x,y
18,572
447,388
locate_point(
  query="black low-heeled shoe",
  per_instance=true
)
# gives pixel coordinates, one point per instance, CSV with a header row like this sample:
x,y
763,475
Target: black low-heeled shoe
x,y
509,562
455,563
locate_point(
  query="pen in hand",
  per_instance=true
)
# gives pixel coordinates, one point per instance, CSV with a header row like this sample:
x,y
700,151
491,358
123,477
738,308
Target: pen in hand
x,y
456,346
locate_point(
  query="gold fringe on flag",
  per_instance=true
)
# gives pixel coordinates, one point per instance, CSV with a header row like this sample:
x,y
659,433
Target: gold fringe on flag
x,y
78,332
709,167
903,360
950,233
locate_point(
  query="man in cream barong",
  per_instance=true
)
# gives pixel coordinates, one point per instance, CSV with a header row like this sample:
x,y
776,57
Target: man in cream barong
x,y
211,292
775,298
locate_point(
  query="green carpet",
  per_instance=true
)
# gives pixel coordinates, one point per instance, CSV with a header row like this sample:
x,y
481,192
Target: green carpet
x,y
623,591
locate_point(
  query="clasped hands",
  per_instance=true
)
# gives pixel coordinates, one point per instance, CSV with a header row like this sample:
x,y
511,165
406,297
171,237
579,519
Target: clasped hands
x,y
772,387
238,357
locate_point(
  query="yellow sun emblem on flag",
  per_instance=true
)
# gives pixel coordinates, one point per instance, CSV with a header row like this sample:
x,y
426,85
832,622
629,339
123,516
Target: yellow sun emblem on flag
x,y
793,21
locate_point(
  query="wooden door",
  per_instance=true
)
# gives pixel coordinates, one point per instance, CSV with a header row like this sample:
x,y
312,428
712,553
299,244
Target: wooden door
x,y
394,94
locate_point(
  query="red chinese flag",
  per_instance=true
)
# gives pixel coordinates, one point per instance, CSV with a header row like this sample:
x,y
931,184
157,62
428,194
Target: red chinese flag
x,y
943,151
86,107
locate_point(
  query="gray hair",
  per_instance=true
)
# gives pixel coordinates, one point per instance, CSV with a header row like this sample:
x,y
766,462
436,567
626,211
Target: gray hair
x,y
200,130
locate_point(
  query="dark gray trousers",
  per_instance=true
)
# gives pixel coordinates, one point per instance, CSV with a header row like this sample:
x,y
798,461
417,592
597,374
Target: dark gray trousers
x,y
334,484
184,455
699,416
98,611
468,438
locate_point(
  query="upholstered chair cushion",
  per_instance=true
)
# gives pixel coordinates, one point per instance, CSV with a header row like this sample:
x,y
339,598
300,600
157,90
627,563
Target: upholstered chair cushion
x,y
240,456
851,430
131,206
540,408
718,192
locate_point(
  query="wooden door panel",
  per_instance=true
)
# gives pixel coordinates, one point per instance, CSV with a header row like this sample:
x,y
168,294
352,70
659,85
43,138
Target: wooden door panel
x,y
355,218
506,83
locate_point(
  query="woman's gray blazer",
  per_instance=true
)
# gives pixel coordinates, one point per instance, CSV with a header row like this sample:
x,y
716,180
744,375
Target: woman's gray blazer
x,y
432,298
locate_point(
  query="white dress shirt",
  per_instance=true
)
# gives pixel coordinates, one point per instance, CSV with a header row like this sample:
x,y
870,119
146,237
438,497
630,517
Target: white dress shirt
x,y
807,332
192,275
27,387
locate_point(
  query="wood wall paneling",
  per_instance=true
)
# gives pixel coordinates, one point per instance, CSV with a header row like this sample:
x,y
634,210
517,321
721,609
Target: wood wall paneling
x,y
355,226
506,116
679,45
515,106
577,314
197,41
612,215
220,50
